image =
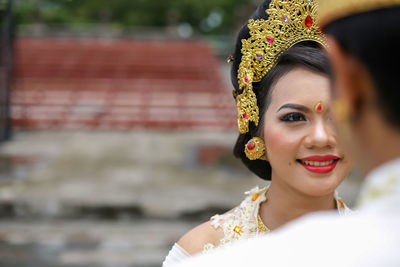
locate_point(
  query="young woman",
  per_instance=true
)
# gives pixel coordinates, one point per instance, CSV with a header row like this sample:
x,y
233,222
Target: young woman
x,y
281,78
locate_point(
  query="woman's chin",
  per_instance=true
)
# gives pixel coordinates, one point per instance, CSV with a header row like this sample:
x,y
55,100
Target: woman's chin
x,y
318,187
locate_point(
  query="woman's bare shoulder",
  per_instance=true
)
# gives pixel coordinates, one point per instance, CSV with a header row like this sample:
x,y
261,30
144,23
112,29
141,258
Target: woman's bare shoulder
x,y
193,241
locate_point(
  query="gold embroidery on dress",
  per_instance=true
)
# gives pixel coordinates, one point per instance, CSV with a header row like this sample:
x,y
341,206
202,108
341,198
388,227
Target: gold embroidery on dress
x,y
245,221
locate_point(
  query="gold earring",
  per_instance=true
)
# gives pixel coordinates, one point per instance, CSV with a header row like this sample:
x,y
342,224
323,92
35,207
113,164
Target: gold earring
x,y
255,149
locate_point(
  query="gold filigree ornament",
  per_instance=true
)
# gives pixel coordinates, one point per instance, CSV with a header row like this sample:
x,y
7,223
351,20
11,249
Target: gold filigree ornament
x,y
288,23
261,226
255,149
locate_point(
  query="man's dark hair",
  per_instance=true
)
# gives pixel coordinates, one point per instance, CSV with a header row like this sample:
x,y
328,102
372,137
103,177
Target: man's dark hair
x,y
374,39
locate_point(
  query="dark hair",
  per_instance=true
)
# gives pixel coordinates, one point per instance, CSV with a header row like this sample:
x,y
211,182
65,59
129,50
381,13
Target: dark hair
x,y
374,38
307,55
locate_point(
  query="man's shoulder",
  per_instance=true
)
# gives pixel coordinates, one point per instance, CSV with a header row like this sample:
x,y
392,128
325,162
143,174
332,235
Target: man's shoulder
x,y
321,239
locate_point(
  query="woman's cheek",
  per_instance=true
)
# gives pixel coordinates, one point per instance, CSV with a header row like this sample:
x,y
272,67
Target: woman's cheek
x,y
280,145
281,139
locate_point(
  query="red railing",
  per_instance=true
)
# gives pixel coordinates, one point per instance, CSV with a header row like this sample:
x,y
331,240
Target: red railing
x,y
118,84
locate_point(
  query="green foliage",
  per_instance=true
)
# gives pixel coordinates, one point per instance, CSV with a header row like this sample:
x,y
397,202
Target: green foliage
x,y
204,16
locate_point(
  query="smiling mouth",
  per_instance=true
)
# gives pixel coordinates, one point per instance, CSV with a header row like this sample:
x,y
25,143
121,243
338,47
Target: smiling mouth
x,y
317,163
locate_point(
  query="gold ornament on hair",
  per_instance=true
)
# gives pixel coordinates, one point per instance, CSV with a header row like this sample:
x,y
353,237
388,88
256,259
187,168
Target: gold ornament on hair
x,y
289,22
255,149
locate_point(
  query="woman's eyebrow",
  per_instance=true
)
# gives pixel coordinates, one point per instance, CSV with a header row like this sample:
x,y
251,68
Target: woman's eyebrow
x,y
295,106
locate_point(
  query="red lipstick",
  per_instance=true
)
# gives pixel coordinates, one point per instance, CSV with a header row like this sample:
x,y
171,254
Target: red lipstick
x,y
313,163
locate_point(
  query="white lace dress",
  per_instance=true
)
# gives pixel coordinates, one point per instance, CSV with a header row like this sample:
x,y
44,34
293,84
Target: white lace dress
x,y
241,223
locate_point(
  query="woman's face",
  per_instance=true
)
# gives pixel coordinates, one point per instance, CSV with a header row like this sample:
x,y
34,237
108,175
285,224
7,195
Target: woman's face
x,y
301,142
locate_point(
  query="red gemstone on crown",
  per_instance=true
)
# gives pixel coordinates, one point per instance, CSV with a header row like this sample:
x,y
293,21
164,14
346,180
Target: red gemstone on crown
x,y
246,79
245,115
308,21
269,39
251,145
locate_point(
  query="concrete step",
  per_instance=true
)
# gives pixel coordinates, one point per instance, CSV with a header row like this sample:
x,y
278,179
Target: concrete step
x,y
88,243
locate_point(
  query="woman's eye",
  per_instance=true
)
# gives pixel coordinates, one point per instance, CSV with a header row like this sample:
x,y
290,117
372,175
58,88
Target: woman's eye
x,y
293,117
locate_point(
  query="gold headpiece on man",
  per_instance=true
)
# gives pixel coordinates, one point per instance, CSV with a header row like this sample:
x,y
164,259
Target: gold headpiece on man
x,y
289,22
331,10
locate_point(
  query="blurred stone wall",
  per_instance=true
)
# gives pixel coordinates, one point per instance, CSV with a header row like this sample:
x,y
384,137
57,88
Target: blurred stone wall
x,y
114,198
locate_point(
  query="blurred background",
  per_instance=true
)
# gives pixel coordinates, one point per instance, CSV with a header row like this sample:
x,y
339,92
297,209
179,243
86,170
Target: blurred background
x,y
117,125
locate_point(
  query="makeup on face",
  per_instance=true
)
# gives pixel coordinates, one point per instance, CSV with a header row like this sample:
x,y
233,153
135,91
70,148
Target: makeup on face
x,y
319,107
294,116
319,163
300,137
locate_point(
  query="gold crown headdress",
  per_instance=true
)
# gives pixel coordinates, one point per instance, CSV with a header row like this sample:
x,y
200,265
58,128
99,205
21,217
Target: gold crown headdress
x,y
331,10
289,22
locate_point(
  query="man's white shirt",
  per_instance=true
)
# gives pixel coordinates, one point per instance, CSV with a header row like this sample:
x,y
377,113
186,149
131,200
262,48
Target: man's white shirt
x,y
369,237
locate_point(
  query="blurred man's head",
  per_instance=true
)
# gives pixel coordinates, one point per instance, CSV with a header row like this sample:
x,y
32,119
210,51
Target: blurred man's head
x,y
364,46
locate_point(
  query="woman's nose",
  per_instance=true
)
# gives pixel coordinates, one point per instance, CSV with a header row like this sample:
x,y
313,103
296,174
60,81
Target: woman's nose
x,y
320,135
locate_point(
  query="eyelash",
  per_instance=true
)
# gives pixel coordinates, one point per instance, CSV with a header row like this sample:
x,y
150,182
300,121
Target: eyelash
x,y
293,117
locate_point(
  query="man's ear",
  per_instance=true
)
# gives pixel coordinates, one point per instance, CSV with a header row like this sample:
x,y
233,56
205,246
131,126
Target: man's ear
x,y
351,80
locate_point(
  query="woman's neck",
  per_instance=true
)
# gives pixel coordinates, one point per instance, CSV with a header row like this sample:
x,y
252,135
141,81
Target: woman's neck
x,y
284,204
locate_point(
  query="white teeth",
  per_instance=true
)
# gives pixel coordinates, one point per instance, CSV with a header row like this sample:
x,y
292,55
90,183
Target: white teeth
x,y
317,163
